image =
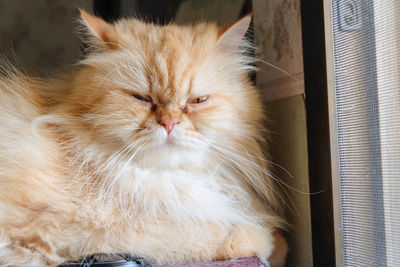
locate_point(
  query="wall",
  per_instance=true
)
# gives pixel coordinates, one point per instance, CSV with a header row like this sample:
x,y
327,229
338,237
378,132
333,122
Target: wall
x,y
278,39
40,35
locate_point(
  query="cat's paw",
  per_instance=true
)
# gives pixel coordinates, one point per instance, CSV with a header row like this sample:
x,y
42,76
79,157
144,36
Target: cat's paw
x,y
247,241
278,257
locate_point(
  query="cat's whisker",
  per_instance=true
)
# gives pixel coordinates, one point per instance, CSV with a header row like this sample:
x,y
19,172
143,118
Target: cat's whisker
x,y
260,158
275,67
263,170
128,162
116,177
280,183
122,169
114,157
248,174
106,165
231,158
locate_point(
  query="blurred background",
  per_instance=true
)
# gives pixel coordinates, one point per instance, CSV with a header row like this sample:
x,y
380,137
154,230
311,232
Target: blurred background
x,y
39,35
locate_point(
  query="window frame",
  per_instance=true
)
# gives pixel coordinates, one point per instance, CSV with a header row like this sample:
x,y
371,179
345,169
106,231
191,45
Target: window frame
x,y
318,129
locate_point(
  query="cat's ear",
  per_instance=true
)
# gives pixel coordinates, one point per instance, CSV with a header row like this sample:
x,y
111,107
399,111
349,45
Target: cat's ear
x,y
230,37
96,31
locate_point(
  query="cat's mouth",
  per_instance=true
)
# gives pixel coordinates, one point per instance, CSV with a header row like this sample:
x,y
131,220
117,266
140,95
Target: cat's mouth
x,y
171,142
177,140
174,139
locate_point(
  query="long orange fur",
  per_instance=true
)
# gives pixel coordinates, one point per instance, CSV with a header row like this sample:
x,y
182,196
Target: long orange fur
x,y
86,167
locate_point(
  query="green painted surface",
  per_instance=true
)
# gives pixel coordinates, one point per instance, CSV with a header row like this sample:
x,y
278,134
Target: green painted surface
x,y
288,148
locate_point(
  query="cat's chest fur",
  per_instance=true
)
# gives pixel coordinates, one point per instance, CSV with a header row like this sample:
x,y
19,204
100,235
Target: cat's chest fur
x,y
158,205
175,195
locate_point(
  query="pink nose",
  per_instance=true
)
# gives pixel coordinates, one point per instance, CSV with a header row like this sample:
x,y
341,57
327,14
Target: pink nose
x,y
168,123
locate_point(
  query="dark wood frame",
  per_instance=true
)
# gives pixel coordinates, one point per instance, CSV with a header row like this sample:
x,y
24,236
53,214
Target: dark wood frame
x,y
319,154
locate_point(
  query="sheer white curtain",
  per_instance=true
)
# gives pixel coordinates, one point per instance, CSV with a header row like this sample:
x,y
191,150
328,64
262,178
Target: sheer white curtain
x,y
363,54
387,42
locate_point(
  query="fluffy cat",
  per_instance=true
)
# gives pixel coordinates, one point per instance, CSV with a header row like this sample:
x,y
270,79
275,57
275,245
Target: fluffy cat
x,y
151,146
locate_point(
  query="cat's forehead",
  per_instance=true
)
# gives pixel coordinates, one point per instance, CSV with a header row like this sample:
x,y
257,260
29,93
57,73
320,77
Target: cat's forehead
x,y
169,75
167,62
167,59
197,38
169,56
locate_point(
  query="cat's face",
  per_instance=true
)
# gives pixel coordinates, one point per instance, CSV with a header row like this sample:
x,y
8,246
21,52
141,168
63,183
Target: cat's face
x,y
169,94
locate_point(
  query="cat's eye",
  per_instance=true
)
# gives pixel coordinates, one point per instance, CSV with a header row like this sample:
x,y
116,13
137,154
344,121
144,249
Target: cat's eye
x,y
197,100
142,98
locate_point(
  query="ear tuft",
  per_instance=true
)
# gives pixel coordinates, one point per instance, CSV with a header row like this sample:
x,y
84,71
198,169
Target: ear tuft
x,y
231,36
96,30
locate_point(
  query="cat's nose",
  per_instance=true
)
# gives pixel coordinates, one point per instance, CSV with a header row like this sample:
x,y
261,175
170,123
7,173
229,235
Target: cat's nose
x,y
168,123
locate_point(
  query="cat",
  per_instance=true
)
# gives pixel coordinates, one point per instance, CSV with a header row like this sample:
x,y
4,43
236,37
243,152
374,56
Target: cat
x,y
150,146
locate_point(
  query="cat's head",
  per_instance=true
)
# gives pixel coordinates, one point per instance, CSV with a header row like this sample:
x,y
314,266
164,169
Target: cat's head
x,y
169,93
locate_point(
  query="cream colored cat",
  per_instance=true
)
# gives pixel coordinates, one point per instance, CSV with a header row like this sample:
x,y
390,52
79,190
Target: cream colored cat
x,y
151,146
